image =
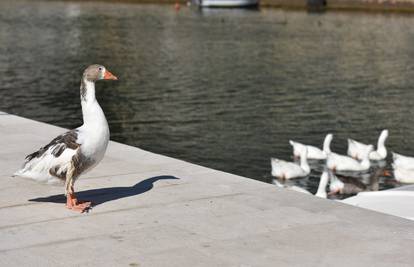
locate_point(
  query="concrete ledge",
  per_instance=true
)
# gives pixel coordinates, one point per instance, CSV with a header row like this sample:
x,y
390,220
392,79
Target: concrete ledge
x,y
158,211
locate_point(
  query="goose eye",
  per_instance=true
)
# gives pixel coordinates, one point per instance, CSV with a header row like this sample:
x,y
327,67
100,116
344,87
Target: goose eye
x,y
100,68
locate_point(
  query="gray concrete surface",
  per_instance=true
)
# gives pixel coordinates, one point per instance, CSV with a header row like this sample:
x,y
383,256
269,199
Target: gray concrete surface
x,y
158,211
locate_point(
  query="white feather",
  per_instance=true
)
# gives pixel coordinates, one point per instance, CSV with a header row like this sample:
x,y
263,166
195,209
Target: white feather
x,y
345,163
357,149
288,170
313,151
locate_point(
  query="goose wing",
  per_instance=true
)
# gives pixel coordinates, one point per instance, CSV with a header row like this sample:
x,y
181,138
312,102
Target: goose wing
x,y
52,160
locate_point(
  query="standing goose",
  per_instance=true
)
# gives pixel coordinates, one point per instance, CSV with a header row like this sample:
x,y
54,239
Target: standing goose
x,y
356,149
313,151
77,151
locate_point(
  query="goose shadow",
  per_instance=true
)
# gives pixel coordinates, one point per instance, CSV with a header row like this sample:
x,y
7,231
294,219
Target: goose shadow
x,y
102,195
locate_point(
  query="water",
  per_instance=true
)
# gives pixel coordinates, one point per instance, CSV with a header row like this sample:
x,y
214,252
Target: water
x,y
222,88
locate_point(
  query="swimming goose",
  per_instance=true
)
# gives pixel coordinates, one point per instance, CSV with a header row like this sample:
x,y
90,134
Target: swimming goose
x,y
356,149
403,168
313,151
349,186
405,176
338,162
288,170
323,182
77,151
402,162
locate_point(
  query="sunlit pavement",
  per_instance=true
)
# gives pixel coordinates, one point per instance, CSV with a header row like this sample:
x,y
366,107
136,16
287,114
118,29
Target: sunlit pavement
x,y
152,210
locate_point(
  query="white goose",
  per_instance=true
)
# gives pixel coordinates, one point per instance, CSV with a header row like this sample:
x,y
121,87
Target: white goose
x,y
77,151
313,151
288,170
405,176
402,162
338,162
403,168
323,182
357,149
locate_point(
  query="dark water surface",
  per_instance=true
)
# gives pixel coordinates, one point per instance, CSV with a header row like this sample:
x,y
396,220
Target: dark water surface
x,y
222,88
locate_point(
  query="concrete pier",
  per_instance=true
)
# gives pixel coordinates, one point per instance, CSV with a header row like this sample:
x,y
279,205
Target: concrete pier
x,y
153,210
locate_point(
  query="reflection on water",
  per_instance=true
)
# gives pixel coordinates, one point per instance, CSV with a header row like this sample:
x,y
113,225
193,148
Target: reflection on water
x,y
226,88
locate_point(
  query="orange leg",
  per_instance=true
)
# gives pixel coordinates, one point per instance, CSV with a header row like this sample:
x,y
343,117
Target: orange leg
x,y
74,204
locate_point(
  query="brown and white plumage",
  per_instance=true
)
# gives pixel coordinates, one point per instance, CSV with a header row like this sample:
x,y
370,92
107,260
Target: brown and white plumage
x,y
77,151
51,162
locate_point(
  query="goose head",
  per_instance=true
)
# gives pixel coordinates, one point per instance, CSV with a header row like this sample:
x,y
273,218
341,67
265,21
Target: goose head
x,y
97,72
92,74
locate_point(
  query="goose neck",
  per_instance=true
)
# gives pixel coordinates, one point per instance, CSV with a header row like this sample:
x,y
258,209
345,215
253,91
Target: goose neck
x,y
327,144
304,163
322,185
91,111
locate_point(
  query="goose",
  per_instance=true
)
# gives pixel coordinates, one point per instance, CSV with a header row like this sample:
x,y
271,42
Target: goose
x,y
405,176
402,162
338,162
313,151
356,149
323,182
288,170
348,186
77,151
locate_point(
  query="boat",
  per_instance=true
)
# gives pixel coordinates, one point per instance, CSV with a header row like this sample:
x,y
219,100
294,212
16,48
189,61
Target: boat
x,y
227,3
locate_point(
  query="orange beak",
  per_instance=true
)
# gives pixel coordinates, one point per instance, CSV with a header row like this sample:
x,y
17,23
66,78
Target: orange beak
x,y
109,76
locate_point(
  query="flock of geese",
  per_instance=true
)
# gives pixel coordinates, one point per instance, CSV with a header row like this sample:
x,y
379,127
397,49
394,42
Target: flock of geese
x,y
359,159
